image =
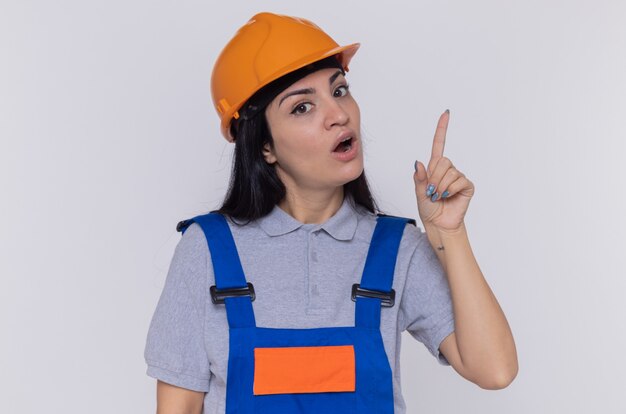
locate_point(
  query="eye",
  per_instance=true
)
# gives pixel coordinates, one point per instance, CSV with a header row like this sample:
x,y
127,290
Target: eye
x,y
301,108
338,92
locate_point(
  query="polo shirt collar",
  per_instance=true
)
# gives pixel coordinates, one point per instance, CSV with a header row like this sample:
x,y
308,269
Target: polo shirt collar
x,y
341,226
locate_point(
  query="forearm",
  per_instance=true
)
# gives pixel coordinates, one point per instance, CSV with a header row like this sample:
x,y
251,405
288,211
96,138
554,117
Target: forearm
x,y
176,400
483,336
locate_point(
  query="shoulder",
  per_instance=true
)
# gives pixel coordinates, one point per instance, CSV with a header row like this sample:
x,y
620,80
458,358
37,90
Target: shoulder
x,y
192,240
413,244
193,246
413,236
191,255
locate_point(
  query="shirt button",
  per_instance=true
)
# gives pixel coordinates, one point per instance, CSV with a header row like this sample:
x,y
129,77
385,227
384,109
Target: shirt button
x,y
314,256
314,290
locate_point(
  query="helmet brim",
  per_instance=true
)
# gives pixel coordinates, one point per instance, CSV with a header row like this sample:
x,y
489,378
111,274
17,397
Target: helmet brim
x,y
346,53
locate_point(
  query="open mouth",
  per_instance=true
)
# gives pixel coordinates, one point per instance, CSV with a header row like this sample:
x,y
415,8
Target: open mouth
x,y
344,146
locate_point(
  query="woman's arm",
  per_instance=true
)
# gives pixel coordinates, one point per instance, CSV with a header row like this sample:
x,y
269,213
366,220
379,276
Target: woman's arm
x,y
176,400
482,348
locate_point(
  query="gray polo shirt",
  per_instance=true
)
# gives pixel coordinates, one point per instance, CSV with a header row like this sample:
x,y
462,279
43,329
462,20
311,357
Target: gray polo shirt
x,y
302,276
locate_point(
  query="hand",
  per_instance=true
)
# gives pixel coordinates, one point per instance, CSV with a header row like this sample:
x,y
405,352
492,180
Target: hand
x,y
445,213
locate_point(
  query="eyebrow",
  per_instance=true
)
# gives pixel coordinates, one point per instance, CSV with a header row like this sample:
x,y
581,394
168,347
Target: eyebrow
x,y
309,90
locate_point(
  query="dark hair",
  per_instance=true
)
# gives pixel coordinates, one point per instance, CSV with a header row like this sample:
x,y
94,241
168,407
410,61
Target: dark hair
x,y
255,187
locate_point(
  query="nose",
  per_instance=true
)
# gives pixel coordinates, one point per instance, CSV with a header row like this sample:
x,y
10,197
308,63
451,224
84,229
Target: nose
x,y
336,114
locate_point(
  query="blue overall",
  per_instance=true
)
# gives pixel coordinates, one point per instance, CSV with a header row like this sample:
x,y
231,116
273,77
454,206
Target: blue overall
x,y
373,386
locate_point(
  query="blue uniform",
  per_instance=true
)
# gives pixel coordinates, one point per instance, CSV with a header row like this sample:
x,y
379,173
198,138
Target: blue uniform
x,y
363,385
303,275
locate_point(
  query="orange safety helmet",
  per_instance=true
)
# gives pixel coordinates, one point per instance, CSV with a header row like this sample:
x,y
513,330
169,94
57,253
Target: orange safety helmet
x,y
267,47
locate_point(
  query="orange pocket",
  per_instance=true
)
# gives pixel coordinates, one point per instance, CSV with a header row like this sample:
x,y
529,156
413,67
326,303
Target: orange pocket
x,y
305,369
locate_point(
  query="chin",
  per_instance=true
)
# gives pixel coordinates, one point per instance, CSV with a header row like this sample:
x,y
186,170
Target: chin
x,y
351,177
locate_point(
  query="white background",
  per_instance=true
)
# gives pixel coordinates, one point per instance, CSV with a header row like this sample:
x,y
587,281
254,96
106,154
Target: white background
x,y
109,138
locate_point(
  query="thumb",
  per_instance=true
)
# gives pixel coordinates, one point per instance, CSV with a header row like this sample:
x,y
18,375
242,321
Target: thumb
x,y
420,178
420,174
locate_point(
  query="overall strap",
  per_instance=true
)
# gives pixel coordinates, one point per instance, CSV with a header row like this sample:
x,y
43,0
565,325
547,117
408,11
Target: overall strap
x,y
380,264
226,266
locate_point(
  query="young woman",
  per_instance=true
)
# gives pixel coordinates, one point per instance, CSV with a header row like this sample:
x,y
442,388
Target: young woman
x,y
292,296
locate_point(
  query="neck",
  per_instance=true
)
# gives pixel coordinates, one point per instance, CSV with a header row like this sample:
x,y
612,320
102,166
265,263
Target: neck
x,y
312,207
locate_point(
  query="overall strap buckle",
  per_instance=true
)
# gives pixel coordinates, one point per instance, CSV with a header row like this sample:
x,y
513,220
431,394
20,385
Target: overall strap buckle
x,y
218,295
387,298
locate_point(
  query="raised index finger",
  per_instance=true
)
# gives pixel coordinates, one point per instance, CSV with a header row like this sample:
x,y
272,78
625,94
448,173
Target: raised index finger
x,y
439,142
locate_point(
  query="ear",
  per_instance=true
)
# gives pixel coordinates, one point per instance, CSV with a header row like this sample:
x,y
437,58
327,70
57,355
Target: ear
x,y
268,153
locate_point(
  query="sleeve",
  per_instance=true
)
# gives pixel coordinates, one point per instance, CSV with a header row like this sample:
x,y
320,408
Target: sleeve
x,y
426,310
175,350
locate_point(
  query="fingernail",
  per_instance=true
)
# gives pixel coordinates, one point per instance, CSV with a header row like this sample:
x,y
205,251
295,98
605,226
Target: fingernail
x,y
434,197
445,194
415,165
447,110
430,189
